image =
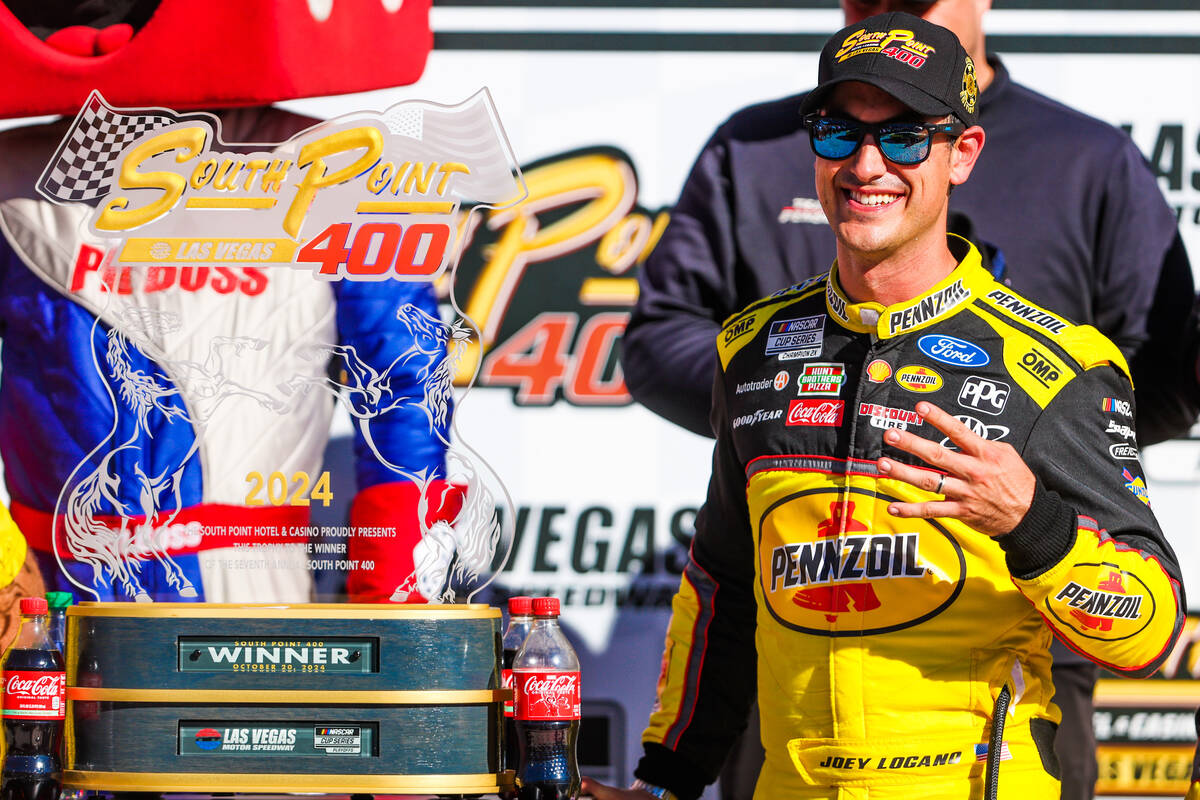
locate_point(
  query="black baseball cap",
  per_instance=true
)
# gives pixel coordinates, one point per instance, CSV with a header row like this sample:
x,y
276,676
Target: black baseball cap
x,y
921,64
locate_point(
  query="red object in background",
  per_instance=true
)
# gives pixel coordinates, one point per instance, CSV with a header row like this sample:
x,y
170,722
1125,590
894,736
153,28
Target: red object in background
x,y
216,53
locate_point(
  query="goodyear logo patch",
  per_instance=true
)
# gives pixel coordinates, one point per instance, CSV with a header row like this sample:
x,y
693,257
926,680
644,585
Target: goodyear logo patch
x,y
922,380
896,43
829,570
1102,602
796,338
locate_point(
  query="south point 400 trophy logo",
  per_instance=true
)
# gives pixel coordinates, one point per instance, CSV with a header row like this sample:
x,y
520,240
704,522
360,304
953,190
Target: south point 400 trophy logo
x,y
238,293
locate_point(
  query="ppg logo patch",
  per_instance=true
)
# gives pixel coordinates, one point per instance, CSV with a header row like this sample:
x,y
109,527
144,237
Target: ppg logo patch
x,y
984,395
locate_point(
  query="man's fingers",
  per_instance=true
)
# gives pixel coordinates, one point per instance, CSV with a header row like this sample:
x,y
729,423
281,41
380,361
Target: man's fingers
x,y
925,479
927,450
955,431
934,508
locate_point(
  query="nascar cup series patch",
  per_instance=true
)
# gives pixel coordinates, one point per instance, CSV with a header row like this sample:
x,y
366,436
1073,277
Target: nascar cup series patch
x,y
1102,602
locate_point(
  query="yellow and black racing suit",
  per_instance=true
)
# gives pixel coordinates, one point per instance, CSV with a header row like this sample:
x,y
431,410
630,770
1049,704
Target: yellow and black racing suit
x,y
888,649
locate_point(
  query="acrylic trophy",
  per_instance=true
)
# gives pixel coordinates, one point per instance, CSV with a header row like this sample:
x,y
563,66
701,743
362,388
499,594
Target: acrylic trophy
x,y
232,301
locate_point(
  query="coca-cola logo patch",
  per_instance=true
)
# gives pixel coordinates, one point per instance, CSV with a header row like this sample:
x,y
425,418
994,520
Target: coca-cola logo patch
x,y
547,695
816,412
35,695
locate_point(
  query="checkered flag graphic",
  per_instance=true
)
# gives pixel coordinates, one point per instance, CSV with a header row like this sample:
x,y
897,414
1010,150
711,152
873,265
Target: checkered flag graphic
x,y
87,157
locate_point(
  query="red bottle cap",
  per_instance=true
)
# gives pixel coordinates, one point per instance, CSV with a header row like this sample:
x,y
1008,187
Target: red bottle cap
x,y
33,605
545,606
520,605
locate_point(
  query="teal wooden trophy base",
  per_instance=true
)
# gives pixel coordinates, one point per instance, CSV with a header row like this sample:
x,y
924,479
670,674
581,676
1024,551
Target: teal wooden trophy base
x,y
379,699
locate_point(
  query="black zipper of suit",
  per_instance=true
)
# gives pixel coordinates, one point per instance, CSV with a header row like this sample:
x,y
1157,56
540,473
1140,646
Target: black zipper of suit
x,y
996,744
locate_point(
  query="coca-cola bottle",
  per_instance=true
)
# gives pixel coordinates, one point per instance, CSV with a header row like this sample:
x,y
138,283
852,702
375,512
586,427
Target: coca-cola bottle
x,y
35,701
546,678
520,620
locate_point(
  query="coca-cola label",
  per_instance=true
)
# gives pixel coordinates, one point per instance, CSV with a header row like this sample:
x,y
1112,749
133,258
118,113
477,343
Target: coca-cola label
x,y
506,682
35,695
547,695
816,412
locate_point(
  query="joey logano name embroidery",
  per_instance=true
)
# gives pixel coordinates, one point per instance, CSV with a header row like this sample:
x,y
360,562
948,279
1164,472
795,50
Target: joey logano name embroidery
x,y
1101,604
846,558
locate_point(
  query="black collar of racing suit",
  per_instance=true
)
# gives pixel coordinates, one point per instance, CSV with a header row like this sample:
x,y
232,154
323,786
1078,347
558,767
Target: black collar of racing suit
x,y
942,300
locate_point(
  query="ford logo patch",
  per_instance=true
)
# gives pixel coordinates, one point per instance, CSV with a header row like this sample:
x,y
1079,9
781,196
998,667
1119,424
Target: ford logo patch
x,y
952,350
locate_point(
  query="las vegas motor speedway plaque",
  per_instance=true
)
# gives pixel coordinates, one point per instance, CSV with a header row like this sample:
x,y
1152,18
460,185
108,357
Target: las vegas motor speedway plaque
x,y
316,698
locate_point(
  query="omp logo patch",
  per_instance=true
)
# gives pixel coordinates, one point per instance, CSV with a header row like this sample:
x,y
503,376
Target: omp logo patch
x,y
830,570
1104,602
1041,367
739,328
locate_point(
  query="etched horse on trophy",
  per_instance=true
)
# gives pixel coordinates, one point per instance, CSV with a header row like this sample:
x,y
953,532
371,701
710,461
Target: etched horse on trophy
x,y
121,550
368,393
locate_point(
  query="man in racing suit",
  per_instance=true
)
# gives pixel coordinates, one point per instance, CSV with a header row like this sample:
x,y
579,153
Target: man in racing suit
x,y
918,476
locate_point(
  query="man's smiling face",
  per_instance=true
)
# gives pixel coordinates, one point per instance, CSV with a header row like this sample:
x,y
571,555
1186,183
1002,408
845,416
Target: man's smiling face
x,y
873,205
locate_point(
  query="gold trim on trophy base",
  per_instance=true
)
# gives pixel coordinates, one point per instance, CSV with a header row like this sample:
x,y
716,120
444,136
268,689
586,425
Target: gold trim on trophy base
x,y
444,697
278,782
285,611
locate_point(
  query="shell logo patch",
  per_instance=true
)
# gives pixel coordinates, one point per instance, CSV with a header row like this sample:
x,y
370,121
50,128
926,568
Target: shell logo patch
x,y
919,379
879,371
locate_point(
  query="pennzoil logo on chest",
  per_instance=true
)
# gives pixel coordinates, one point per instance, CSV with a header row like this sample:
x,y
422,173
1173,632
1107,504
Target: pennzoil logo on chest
x,y
827,567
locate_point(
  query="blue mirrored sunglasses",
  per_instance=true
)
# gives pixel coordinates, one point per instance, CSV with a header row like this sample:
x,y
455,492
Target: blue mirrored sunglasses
x,y
904,143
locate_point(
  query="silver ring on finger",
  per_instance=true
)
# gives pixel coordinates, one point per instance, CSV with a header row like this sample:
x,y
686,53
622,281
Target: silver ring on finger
x,y
941,483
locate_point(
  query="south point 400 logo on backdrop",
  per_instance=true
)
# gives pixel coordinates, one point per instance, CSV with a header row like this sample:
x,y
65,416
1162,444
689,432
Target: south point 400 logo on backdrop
x,y
237,293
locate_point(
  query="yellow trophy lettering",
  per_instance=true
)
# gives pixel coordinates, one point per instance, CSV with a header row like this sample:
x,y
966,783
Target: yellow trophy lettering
x,y
315,178
188,142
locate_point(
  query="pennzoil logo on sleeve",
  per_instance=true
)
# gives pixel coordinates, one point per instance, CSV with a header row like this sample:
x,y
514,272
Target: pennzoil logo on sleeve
x,y
1030,313
1113,606
928,308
